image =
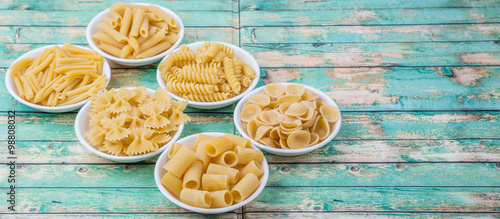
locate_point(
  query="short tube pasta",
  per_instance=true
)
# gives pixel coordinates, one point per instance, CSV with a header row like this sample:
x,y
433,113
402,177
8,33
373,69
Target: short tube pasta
x,y
221,198
245,155
172,183
181,161
218,146
232,173
228,158
245,187
196,198
252,167
214,182
192,175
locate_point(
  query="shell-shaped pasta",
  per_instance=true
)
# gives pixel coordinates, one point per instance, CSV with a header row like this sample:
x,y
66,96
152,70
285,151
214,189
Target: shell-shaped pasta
x,y
249,112
182,56
288,131
283,107
283,143
309,95
289,98
319,104
309,104
230,76
330,113
269,117
314,139
213,97
267,141
298,139
295,89
262,131
307,116
296,109
289,121
197,77
309,123
274,90
274,133
252,129
321,127
260,99
183,87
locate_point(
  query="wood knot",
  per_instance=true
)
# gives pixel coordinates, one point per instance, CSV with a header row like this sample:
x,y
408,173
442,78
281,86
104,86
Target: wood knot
x,y
399,166
318,44
83,169
317,208
32,210
354,168
127,167
497,165
50,146
284,169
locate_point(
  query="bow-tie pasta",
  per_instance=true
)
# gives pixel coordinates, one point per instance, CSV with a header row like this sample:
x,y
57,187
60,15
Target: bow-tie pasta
x,y
288,117
129,122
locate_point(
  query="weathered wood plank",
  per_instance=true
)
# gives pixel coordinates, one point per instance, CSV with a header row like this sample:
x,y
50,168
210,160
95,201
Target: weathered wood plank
x,y
444,88
61,126
394,88
440,199
451,199
370,34
263,5
100,5
281,175
369,17
76,35
335,151
355,126
124,215
378,54
385,215
82,18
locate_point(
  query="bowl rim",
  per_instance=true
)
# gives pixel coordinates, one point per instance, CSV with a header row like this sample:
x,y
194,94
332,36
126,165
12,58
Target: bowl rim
x,y
83,113
252,86
95,20
106,70
166,193
323,96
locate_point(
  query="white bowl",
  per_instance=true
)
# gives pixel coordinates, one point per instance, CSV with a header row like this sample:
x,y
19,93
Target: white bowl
x,y
286,152
11,87
189,141
239,53
82,126
92,29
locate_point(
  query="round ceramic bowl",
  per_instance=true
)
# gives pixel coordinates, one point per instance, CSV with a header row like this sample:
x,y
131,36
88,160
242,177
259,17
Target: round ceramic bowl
x,y
82,126
92,29
239,53
189,141
286,152
11,87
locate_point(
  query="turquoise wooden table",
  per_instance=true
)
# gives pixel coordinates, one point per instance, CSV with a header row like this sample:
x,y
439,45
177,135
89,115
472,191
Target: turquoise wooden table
x,y
418,83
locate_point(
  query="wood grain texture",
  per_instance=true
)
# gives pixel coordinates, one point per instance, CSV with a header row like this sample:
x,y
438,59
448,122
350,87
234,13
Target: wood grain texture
x,y
392,215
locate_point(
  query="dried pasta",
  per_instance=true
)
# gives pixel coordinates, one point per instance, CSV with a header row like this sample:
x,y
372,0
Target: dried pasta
x,y
59,76
206,180
287,117
136,31
209,74
129,122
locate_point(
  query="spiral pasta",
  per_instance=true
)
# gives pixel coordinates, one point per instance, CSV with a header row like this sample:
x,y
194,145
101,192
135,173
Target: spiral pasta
x,y
208,73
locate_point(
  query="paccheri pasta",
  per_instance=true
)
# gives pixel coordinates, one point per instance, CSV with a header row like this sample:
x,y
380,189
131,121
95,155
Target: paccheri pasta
x,y
136,31
288,117
209,74
59,76
201,176
129,122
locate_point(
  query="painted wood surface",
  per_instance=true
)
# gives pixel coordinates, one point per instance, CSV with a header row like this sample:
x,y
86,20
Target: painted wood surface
x,y
418,83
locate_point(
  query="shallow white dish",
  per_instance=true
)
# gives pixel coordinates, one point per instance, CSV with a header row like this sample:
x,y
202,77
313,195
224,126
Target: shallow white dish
x,y
189,141
92,29
239,53
11,87
285,152
82,127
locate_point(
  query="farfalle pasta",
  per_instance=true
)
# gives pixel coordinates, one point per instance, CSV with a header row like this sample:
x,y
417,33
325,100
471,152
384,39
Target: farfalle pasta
x,y
129,122
209,74
288,117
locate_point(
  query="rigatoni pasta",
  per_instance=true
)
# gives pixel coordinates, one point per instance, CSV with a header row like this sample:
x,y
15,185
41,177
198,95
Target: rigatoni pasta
x,y
210,182
59,76
136,31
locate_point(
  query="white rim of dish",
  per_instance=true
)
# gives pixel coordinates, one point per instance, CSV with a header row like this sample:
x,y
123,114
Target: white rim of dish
x,y
330,101
255,81
10,87
114,157
137,61
263,180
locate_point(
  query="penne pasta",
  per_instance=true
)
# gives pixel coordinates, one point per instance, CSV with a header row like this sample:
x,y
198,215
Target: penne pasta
x,y
117,36
136,22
